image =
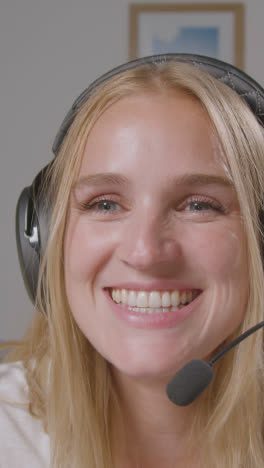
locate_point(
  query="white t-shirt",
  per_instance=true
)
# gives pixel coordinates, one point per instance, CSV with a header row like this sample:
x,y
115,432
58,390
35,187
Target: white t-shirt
x,y
23,441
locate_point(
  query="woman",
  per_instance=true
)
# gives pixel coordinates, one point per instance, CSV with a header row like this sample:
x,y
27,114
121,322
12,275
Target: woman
x,y
154,258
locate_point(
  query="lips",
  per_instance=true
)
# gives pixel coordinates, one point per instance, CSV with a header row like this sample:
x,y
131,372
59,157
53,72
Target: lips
x,y
152,317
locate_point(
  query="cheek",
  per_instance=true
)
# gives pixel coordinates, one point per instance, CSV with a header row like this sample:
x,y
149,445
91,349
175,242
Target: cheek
x,y
87,248
220,253
221,258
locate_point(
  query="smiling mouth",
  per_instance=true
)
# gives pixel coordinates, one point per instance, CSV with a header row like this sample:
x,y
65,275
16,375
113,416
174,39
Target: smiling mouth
x,y
153,301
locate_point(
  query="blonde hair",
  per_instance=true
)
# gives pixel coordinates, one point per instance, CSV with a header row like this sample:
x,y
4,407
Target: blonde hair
x,y
69,382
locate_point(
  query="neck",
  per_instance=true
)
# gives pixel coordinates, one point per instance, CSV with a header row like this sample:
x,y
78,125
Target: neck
x,y
157,432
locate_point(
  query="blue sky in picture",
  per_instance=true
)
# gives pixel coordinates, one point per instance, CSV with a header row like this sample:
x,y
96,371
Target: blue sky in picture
x,y
189,40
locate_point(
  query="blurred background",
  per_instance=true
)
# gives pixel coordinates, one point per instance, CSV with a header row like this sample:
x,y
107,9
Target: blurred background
x,y
49,52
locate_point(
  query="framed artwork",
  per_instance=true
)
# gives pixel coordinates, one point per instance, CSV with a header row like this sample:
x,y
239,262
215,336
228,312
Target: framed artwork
x,y
215,30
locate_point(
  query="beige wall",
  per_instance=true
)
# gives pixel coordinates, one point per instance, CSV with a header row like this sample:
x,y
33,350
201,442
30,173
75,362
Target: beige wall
x,y
49,52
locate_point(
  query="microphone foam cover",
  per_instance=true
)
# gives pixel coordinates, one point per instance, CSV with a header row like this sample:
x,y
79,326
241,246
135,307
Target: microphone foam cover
x,y
190,382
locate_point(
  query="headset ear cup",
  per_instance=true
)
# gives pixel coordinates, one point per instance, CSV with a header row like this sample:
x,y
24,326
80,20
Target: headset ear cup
x,y
29,256
32,230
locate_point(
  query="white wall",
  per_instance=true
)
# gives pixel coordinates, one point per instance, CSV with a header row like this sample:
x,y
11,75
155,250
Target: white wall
x,y
49,52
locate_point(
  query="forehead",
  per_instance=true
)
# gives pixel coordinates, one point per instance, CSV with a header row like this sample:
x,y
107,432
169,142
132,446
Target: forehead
x,y
152,130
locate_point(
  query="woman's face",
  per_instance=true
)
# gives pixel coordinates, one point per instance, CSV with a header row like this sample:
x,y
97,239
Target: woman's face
x,y
155,254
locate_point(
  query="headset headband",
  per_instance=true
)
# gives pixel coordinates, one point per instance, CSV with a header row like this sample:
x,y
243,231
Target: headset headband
x,y
239,81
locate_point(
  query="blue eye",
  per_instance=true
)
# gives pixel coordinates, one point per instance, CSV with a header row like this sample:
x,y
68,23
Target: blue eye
x,y
105,205
199,206
101,206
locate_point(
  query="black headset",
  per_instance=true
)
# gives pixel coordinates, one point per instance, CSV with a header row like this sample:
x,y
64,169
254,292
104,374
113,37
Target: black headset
x,y
32,217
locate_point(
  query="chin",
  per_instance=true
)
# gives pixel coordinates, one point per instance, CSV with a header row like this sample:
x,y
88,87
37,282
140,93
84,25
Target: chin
x,y
140,370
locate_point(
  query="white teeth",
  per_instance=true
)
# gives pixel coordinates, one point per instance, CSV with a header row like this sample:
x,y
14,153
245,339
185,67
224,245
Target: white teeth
x,y
132,298
151,310
166,299
142,299
183,298
124,296
175,298
116,295
153,300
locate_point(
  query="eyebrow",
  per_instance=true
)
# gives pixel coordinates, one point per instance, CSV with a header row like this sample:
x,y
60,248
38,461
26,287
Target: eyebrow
x,y
184,179
100,179
202,179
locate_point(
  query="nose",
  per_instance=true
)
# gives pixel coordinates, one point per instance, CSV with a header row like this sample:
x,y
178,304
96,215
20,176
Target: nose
x,y
150,244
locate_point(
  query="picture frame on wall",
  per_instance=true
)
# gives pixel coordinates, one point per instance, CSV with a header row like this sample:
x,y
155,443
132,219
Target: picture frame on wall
x,y
215,30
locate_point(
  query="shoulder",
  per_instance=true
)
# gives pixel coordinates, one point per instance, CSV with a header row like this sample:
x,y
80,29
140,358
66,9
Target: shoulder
x,y
13,381
23,441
